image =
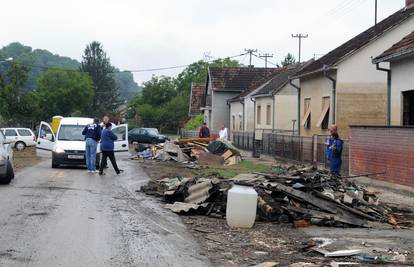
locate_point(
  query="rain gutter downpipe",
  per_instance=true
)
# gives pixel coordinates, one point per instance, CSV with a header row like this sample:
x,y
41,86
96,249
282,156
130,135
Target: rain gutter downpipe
x,y
299,102
244,127
389,80
333,80
273,110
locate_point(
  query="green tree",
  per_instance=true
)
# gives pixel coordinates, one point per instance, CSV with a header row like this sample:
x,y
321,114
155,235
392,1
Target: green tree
x,y
106,93
16,106
288,60
158,90
63,92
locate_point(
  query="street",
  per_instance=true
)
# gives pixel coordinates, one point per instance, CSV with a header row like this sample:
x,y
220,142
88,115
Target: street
x,y
67,217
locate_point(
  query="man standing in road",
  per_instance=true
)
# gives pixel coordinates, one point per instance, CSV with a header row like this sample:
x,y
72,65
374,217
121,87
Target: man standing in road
x,y
92,133
204,131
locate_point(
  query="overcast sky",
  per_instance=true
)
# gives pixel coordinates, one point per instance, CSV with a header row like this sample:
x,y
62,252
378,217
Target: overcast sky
x,y
140,34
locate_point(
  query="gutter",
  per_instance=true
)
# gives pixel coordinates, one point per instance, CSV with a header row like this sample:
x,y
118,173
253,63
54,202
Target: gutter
x,y
299,101
394,56
333,80
244,124
254,119
389,80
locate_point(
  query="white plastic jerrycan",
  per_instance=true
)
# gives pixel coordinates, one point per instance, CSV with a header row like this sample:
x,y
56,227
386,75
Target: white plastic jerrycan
x,y
241,206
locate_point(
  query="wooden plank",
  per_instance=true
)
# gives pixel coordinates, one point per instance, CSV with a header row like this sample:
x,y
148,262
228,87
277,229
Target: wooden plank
x,y
227,154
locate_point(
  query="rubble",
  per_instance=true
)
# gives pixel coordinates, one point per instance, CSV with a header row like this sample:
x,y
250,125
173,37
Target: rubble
x,y
302,196
199,150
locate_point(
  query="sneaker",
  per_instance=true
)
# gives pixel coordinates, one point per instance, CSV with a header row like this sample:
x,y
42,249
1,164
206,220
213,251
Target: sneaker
x,y
120,171
101,173
89,171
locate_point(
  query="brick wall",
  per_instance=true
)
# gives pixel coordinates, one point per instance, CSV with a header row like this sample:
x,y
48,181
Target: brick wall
x,y
383,149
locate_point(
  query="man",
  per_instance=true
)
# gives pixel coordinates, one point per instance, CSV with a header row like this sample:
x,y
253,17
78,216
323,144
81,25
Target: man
x,y
336,154
332,129
204,131
105,121
223,134
92,133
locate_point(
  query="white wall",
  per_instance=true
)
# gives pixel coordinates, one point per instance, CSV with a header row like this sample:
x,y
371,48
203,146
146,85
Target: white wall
x,y
220,109
402,80
286,108
236,110
263,102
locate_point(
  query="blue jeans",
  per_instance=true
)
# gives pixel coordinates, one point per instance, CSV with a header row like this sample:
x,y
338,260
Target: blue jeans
x,y
90,154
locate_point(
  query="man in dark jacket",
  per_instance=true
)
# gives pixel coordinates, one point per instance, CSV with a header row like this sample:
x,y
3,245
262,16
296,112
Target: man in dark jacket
x,y
92,133
107,147
204,131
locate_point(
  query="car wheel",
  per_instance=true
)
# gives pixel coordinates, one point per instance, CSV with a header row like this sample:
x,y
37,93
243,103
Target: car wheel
x,y
54,164
9,174
20,146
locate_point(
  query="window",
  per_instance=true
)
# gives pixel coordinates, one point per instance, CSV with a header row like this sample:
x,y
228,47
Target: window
x,y
71,133
24,132
268,114
306,120
240,123
323,120
10,132
408,108
233,122
120,132
259,114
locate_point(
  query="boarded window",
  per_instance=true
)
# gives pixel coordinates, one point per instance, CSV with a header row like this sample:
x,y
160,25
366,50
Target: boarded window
x,y
259,115
268,114
233,118
240,123
306,120
323,120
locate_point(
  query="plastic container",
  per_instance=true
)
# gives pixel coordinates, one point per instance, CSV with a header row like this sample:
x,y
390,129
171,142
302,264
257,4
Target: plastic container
x,y
241,206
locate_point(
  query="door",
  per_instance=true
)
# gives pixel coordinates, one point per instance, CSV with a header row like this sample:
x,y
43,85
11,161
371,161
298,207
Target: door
x,y
11,136
121,144
45,140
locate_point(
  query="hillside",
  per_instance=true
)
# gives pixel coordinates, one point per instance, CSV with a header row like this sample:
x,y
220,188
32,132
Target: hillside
x,y
39,60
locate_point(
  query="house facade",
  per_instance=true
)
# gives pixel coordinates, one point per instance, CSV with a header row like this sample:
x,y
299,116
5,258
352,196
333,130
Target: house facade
x,y
401,92
344,87
224,84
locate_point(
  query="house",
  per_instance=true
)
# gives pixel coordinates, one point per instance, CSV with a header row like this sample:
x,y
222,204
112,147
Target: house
x,y
197,98
224,84
242,106
276,103
344,87
400,97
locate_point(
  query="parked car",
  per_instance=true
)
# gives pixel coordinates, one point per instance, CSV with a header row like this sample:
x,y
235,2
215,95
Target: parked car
x,y
20,137
6,160
67,146
146,135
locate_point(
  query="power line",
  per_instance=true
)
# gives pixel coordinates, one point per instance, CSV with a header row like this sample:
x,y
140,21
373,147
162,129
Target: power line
x,y
266,56
300,36
250,52
270,62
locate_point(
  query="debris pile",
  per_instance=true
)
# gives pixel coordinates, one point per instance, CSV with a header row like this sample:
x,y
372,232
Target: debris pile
x,y
302,196
199,150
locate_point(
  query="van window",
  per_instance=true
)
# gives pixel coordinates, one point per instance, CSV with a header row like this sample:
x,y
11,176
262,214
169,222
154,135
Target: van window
x,y
71,133
24,132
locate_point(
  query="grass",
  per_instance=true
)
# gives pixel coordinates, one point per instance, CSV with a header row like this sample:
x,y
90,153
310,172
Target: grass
x,y
246,166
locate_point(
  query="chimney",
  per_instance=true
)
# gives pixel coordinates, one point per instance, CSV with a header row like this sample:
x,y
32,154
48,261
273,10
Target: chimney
x,y
409,3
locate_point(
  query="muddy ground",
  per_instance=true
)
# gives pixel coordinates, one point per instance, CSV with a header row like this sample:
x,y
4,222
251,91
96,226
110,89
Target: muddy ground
x,y
25,158
277,242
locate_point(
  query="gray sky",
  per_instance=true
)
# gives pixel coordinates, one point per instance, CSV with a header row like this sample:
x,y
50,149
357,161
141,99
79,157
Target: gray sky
x,y
158,33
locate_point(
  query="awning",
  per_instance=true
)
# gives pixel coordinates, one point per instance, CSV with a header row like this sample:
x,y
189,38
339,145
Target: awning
x,y
325,109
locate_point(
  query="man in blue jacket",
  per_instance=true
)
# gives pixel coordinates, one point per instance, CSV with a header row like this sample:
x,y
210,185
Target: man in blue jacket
x,y
107,146
336,154
92,133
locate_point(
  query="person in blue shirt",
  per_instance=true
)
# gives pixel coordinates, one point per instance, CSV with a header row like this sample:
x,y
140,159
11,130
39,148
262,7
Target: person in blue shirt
x,y
335,159
332,129
92,133
107,146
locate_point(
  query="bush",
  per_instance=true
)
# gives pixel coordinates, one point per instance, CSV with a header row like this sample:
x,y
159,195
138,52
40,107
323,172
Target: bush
x,y
194,123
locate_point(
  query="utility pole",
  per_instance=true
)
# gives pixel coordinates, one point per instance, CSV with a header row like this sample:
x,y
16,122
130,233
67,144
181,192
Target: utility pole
x,y
250,52
266,56
376,11
300,36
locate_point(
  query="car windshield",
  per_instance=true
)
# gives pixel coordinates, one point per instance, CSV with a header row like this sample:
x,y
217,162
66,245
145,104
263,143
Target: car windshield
x,y
71,133
153,131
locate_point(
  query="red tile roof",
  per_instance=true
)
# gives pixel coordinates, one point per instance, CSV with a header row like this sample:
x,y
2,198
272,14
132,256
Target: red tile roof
x,y
197,98
403,47
358,41
237,79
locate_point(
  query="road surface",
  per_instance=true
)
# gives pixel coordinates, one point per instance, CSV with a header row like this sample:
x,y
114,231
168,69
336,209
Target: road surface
x,y
68,217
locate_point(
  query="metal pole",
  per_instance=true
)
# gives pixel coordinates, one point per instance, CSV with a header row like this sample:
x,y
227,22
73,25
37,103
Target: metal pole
x,y
376,11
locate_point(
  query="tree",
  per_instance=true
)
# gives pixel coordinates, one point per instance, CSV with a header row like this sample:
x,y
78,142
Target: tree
x,y
289,60
16,106
63,92
106,93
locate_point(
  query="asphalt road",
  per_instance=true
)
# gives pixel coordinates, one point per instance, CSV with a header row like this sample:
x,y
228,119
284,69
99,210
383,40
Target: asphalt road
x,y
67,217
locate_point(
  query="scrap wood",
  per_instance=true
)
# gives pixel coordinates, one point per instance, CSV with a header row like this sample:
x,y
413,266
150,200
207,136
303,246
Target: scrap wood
x,y
338,253
192,140
227,154
234,160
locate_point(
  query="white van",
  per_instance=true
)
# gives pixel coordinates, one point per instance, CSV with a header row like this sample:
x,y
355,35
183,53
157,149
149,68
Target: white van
x,y
67,147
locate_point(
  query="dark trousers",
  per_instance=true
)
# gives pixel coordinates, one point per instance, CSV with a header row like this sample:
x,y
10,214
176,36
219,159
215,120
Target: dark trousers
x,y
111,156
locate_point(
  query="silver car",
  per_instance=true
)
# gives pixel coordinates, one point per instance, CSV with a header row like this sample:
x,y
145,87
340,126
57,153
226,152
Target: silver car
x,y
6,160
